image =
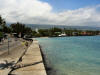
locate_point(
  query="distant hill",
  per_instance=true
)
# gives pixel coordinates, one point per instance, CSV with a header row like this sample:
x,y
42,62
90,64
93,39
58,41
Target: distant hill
x,y
44,26
34,26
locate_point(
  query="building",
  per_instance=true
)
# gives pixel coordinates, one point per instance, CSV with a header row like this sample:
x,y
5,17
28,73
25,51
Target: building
x,y
62,35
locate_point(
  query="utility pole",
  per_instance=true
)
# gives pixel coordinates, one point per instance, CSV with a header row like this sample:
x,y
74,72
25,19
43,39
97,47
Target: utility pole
x,y
8,45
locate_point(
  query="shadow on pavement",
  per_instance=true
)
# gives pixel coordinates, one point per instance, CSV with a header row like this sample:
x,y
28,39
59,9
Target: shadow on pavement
x,y
5,64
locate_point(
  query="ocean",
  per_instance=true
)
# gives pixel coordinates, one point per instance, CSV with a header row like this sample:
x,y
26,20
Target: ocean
x,y
72,55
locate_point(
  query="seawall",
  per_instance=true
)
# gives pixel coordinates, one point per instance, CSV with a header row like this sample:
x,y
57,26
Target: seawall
x,y
32,62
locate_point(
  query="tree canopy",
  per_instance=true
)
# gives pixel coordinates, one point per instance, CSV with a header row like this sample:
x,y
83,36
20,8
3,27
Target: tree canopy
x,y
20,28
2,21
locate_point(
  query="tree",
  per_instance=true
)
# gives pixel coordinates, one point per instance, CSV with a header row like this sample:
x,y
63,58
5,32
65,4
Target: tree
x,y
34,33
1,34
2,23
28,30
55,31
6,29
20,28
44,32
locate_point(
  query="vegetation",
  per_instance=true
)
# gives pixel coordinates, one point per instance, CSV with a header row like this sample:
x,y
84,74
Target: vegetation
x,y
22,29
18,28
2,22
49,32
54,32
1,34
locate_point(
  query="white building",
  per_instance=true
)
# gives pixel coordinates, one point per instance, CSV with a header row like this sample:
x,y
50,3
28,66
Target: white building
x,y
37,30
63,34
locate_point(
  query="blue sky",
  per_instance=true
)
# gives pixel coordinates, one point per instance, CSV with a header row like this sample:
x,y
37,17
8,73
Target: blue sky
x,y
55,12
61,5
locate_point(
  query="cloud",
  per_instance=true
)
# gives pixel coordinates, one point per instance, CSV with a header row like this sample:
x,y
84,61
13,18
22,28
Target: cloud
x,y
20,10
38,12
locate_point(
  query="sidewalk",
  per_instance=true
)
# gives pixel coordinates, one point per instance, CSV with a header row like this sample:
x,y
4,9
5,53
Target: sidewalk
x,y
7,61
32,62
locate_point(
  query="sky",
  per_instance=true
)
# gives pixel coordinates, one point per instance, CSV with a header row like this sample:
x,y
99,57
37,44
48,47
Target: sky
x,y
59,5
53,12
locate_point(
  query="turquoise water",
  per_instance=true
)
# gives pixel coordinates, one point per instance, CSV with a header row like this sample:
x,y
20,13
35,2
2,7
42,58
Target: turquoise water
x,y
73,55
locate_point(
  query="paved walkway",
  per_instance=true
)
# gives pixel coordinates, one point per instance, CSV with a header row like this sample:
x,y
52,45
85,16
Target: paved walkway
x,y
7,61
32,62
12,44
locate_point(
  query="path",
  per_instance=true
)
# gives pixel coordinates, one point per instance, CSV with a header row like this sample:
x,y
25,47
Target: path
x,y
32,62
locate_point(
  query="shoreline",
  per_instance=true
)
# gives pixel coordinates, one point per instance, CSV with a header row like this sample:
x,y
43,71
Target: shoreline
x,y
48,68
68,36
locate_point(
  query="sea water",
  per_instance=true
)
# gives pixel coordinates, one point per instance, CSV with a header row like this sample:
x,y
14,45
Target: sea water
x,y
73,55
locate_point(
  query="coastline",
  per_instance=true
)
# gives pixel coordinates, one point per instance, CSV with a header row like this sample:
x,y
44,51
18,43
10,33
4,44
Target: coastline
x,y
49,69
